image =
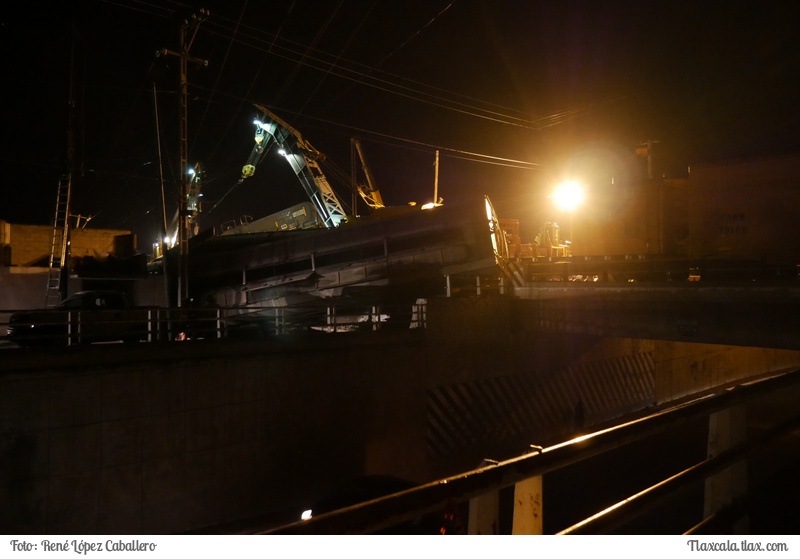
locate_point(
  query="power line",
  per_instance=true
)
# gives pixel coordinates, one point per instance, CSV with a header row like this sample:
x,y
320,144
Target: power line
x,y
344,48
310,57
237,32
336,65
219,74
349,70
343,126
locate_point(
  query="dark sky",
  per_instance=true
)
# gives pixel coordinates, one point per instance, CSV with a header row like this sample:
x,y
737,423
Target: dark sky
x,y
513,94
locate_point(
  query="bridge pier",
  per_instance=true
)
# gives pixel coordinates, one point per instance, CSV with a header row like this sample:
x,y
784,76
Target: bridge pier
x,y
528,507
484,514
528,518
726,429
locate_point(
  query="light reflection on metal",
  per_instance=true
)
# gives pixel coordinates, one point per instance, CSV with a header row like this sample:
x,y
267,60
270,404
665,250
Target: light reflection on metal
x,y
498,236
380,513
304,160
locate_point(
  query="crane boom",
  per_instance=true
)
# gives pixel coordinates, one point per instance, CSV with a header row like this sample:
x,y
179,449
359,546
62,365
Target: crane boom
x,y
304,160
369,193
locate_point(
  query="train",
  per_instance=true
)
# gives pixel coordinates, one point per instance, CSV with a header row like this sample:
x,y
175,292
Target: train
x,y
728,220
394,256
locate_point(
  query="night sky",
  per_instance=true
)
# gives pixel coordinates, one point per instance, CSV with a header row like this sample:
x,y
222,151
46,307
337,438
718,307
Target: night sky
x,y
513,94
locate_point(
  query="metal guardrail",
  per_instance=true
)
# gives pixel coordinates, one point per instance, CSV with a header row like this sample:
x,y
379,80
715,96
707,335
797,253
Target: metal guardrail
x,y
330,318
385,512
181,324
621,268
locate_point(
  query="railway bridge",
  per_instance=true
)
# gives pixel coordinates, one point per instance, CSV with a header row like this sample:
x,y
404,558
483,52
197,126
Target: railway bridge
x,y
240,435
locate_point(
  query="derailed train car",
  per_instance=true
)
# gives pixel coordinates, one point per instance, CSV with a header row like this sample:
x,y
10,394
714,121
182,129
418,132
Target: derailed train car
x,y
394,256
730,220
743,210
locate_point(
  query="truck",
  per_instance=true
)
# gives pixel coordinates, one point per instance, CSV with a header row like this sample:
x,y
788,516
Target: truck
x,y
83,318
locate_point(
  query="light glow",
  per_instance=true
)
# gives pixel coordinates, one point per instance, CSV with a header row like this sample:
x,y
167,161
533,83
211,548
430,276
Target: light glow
x,y
568,195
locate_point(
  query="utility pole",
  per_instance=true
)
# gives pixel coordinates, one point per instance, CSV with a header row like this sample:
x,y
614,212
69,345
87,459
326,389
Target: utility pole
x,y
58,272
436,180
160,173
188,33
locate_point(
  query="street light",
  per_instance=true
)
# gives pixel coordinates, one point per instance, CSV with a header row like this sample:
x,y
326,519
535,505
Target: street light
x,y
568,197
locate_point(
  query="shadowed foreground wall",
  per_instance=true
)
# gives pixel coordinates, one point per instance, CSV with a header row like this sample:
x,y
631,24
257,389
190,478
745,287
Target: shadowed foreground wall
x,y
164,439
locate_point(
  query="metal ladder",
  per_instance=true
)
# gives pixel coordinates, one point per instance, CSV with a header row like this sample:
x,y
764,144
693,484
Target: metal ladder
x,y
58,247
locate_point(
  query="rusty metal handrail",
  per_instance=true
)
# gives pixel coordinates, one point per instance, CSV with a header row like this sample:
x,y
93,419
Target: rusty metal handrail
x,y
618,514
394,509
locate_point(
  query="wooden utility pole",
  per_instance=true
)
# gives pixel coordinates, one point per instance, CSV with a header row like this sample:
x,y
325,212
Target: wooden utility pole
x,y
187,35
436,180
160,173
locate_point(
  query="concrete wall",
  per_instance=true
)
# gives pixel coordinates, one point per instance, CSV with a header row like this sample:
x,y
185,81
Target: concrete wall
x,y
100,243
30,245
171,438
684,369
184,438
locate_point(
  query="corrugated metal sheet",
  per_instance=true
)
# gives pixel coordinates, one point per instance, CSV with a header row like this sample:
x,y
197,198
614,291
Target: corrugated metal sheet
x,y
487,413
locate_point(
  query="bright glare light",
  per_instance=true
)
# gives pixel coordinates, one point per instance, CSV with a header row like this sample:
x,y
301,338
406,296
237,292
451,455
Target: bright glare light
x,y
305,515
282,152
568,196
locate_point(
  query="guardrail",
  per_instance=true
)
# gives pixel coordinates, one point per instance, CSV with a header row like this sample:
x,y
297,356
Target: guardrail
x,y
182,324
478,487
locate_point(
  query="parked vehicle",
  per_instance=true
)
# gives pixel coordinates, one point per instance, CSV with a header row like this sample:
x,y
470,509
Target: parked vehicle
x,y
85,317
